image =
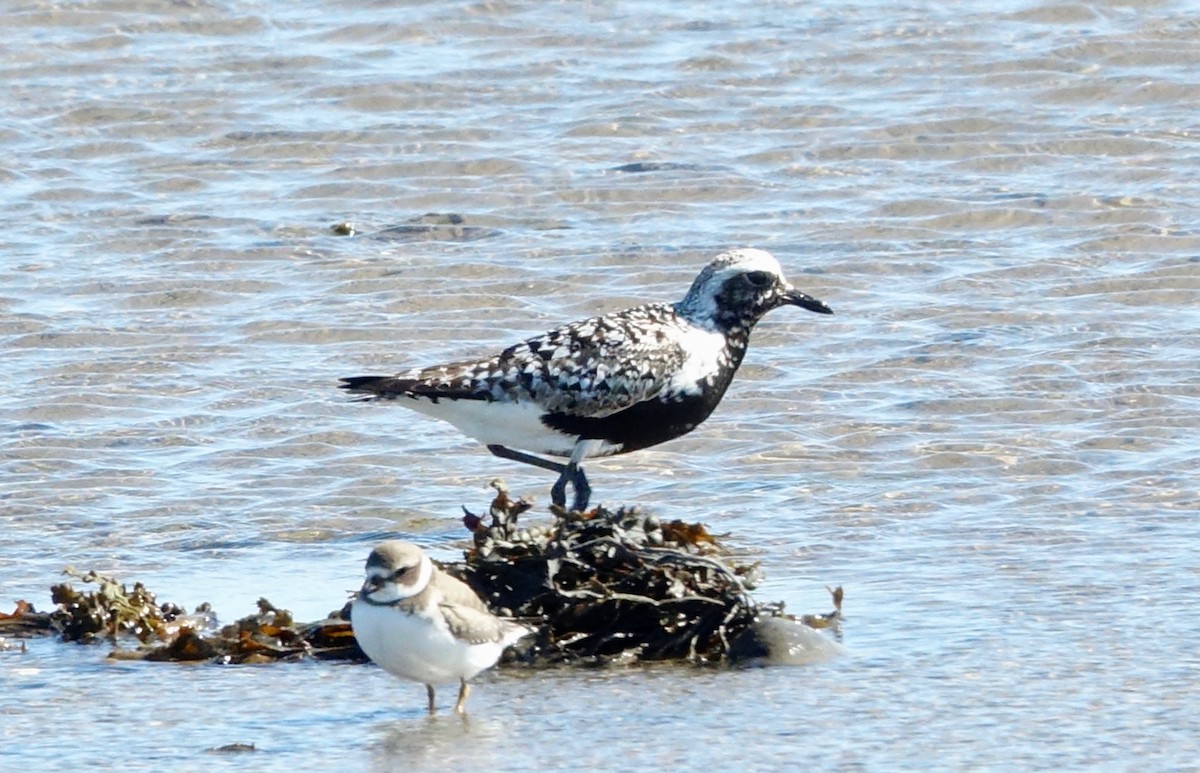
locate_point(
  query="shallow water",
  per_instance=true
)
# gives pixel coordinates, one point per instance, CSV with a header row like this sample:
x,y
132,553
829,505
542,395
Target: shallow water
x,y
991,445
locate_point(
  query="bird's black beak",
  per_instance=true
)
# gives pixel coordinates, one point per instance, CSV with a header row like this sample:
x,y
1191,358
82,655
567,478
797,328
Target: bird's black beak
x,y
371,585
805,301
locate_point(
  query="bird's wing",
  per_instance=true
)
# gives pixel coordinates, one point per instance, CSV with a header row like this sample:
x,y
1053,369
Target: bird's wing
x,y
594,367
455,591
601,365
471,625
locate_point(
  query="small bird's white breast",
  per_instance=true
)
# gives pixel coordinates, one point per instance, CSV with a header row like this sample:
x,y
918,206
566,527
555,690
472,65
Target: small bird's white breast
x,y
418,647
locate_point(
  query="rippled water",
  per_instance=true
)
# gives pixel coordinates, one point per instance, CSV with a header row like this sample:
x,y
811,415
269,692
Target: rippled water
x,y
992,445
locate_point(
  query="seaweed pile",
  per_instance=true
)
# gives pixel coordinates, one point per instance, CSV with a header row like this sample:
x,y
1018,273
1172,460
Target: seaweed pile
x,y
608,586
598,587
113,613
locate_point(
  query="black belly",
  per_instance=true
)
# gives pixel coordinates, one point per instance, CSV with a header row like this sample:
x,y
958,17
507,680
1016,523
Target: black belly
x,y
642,425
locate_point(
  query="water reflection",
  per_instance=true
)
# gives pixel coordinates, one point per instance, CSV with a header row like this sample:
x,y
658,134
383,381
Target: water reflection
x,y
424,741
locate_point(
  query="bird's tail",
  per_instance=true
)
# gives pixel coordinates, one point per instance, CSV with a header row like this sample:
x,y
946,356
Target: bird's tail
x,y
377,387
512,631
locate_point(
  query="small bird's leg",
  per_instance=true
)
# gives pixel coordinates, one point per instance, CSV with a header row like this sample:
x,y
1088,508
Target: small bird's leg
x,y
429,691
463,691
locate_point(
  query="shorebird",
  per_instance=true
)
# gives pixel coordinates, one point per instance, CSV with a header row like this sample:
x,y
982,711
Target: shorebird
x,y
605,385
419,623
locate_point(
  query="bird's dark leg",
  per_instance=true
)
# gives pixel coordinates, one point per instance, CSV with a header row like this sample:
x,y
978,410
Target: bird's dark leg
x,y
558,492
504,452
429,692
583,492
573,473
567,473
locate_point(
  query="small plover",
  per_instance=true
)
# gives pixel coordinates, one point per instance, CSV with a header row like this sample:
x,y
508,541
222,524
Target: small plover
x,y
605,385
419,623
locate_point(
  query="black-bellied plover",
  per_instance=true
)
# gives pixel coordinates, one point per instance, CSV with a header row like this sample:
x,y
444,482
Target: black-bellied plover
x,y
419,623
605,385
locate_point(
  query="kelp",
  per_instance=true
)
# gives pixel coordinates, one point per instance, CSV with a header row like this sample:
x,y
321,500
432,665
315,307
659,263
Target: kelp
x,y
601,587
115,613
614,586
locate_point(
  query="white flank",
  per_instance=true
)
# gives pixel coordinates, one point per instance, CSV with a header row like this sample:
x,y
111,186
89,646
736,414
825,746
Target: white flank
x,y
512,425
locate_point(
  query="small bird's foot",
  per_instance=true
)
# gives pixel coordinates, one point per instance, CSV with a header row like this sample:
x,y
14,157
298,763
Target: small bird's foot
x,y
463,691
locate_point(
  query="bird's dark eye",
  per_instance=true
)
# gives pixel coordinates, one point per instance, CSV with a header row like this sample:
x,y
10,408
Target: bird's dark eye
x,y
760,279
400,572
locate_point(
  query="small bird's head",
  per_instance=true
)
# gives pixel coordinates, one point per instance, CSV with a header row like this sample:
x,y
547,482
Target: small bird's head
x,y
395,571
738,287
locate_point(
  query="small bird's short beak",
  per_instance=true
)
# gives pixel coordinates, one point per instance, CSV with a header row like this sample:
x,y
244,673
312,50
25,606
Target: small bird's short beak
x,y
805,301
370,586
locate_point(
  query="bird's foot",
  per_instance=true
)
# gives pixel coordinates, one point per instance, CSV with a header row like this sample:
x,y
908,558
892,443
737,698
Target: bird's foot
x,y
558,492
574,475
